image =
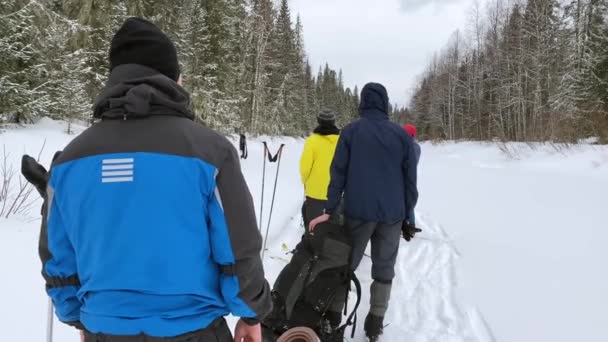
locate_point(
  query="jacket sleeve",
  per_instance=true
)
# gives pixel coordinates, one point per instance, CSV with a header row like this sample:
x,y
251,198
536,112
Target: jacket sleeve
x,y
59,262
236,242
306,161
339,169
410,176
418,150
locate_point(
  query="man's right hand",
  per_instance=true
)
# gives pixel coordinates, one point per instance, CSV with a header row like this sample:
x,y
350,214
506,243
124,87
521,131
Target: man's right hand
x,y
247,333
314,223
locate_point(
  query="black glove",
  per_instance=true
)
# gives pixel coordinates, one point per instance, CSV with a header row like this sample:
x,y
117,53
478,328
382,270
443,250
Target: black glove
x,y
409,231
35,174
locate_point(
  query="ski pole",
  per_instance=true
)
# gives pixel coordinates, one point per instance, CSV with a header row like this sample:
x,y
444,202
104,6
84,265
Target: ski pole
x,y
274,192
49,322
263,179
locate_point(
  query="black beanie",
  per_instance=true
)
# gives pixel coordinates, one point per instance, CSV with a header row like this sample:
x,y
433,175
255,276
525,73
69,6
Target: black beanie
x,y
138,41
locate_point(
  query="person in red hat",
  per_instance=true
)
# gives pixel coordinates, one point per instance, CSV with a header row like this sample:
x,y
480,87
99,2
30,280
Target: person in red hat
x,y
411,130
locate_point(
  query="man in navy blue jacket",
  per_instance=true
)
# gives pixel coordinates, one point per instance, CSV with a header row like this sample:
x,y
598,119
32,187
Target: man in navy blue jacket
x,y
374,173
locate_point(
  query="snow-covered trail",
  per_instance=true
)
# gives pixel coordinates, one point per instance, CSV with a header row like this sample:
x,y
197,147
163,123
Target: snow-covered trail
x,y
424,305
541,282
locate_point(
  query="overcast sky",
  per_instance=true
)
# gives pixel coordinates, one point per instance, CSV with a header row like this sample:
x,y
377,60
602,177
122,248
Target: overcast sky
x,y
386,41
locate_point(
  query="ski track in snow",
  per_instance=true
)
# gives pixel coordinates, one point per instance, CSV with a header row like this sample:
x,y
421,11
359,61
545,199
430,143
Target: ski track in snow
x,y
426,304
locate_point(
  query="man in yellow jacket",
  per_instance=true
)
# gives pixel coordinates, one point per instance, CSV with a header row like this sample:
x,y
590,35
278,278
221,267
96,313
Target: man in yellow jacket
x,y
315,163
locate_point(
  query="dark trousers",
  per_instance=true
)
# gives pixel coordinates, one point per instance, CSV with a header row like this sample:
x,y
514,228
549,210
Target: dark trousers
x,y
312,209
217,331
385,240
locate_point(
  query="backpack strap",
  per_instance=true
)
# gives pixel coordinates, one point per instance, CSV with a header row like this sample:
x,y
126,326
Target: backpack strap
x,y
352,318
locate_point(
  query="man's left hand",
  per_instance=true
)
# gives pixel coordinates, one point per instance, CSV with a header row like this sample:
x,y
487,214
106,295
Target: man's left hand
x,y
409,230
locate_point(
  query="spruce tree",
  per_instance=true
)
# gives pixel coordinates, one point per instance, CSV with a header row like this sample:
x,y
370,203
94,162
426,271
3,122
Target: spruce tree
x,y
21,55
243,61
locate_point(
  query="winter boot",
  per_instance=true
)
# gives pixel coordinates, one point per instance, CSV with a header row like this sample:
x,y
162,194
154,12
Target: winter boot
x,y
373,327
380,293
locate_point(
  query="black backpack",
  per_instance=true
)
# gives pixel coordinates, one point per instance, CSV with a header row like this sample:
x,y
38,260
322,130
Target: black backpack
x,y
310,283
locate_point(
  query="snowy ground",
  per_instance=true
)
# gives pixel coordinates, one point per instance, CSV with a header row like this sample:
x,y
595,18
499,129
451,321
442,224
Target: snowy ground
x,y
511,249
532,234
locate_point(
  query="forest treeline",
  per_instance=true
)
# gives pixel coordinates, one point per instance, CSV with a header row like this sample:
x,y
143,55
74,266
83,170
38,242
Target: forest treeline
x,y
243,61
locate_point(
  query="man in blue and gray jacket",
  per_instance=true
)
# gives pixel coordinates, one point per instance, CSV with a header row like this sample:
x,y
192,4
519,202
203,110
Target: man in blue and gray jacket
x,y
374,171
149,230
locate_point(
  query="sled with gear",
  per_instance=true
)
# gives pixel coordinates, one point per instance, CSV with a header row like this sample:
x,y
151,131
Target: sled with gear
x,y
318,274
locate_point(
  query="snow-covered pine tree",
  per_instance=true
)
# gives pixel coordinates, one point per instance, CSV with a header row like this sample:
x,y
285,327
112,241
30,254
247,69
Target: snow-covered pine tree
x,y
312,105
218,67
22,72
281,69
66,69
540,26
259,57
584,85
355,104
341,101
101,18
298,108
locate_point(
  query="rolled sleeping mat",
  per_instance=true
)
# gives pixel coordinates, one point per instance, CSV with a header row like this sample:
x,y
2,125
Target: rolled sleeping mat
x,y
299,334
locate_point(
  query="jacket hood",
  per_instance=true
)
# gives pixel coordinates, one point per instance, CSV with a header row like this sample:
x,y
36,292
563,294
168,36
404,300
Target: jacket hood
x,y
374,101
136,91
